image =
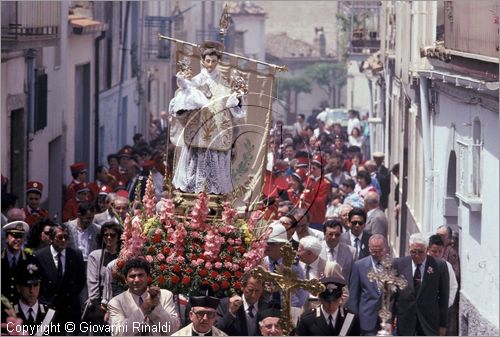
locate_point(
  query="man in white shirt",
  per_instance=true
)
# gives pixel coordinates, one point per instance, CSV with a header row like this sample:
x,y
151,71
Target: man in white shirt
x,y
140,308
338,251
83,233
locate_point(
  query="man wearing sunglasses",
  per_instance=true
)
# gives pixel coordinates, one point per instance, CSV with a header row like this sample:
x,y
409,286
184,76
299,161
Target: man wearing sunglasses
x,y
12,255
63,276
357,237
203,316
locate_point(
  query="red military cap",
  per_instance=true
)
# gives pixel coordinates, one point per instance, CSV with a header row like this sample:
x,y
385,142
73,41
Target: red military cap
x,y
120,185
82,187
105,190
319,160
300,174
79,167
34,186
125,152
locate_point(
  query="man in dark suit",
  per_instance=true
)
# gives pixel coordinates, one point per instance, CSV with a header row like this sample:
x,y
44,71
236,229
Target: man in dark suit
x,y
28,308
376,222
357,237
422,307
384,178
338,251
364,295
328,318
63,276
237,316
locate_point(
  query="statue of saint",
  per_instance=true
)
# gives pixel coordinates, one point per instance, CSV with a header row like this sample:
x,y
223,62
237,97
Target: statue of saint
x,y
206,106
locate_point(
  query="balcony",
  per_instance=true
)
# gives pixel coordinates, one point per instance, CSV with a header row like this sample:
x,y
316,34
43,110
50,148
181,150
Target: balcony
x,y
30,21
472,27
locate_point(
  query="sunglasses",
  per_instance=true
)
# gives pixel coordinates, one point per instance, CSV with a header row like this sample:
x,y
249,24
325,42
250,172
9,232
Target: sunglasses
x,y
17,235
111,235
201,313
62,237
357,223
46,232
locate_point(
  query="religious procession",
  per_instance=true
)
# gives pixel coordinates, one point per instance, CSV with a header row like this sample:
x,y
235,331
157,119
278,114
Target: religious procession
x,y
249,168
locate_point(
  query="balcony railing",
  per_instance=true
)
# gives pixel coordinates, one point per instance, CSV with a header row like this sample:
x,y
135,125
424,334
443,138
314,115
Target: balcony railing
x,y
471,27
30,20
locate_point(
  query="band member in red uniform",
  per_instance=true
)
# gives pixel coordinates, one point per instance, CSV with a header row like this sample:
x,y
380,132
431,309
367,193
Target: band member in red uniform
x,y
316,192
296,187
80,174
70,210
33,211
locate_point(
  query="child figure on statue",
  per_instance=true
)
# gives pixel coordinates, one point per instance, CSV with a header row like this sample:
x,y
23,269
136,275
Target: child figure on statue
x,y
188,97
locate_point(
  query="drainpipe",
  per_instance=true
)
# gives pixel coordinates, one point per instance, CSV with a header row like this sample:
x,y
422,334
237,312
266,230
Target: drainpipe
x,y
426,137
30,63
96,100
122,68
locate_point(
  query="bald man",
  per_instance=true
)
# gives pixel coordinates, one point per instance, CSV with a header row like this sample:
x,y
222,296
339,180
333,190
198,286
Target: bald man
x,y
376,221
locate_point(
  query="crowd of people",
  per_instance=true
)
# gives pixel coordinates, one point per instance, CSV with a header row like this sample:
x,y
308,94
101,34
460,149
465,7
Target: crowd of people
x,y
322,195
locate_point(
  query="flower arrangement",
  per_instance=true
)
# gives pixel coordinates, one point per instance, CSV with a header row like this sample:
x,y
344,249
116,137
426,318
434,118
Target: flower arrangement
x,y
187,252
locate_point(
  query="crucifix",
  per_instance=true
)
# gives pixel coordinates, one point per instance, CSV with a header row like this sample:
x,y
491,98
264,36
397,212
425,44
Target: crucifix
x,y
288,282
387,282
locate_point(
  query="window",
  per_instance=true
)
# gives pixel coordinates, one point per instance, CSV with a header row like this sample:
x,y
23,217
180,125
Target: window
x,y
40,100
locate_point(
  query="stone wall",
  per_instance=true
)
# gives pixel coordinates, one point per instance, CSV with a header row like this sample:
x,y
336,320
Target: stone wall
x,y
472,322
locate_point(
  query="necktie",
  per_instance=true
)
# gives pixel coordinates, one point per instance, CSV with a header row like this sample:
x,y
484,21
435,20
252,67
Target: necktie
x,y
250,311
13,264
356,245
308,272
31,319
59,266
330,322
417,278
332,251
141,301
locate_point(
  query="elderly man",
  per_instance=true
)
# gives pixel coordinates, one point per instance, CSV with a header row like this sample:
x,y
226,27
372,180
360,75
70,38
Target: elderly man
x,y
269,322
365,298
274,258
422,307
237,316
376,222
336,250
12,255
142,306
327,319
312,261
203,316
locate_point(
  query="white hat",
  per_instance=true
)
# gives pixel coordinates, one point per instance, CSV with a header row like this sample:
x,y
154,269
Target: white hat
x,y
378,155
17,227
278,235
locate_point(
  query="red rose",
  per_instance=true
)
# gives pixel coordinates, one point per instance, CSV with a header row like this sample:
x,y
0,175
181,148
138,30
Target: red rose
x,y
161,279
241,249
227,274
176,269
237,285
151,250
230,249
189,271
150,279
225,285
175,279
163,267
186,280
166,251
215,286
228,259
202,272
120,264
238,274
205,282
157,238
214,274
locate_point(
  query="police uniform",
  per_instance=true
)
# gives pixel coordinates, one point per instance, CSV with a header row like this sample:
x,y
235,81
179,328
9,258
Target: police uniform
x,y
34,215
32,316
9,271
317,321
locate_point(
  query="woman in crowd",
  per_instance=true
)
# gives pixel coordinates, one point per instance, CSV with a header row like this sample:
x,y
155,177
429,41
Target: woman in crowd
x,y
39,234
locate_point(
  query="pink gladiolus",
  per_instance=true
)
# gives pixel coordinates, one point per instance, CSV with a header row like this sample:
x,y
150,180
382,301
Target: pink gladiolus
x,y
160,257
208,265
218,265
149,258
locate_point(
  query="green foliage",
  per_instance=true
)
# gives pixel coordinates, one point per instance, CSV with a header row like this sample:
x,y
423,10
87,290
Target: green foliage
x,y
330,77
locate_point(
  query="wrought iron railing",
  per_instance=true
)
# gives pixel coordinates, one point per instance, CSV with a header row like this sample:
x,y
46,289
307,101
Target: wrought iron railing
x,y
25,20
